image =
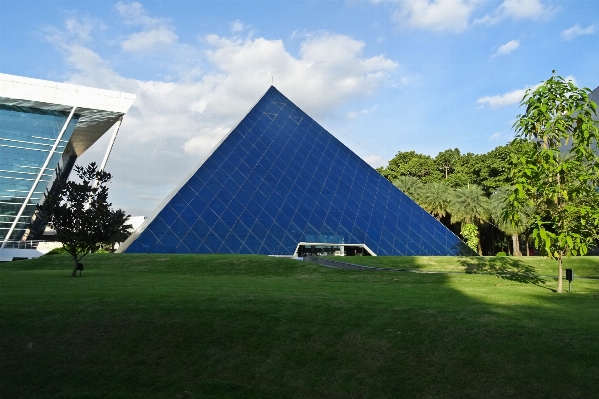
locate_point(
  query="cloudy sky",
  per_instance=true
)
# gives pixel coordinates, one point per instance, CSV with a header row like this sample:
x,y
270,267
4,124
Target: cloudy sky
x,y
382,76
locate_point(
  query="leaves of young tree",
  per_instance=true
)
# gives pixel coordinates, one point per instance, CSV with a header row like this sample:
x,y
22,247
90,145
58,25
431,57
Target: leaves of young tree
x,y
558,174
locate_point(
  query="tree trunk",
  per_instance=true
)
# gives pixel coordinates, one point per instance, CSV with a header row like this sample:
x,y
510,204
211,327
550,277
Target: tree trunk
x,y
480,247
74,274
559,273
516,245
527,248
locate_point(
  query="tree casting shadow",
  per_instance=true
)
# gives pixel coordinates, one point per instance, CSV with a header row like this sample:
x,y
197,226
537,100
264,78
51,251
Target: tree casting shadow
x,y
507,268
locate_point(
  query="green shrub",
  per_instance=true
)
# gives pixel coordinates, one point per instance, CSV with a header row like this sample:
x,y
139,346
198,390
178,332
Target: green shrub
x,y
57,251
501,254
470,233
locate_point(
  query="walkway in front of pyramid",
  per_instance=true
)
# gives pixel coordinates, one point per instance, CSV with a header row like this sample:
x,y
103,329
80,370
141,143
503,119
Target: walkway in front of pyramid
x,y
279,179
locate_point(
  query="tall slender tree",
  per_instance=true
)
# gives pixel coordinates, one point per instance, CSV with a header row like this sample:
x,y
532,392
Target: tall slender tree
x,y
469,206
497,208
559,174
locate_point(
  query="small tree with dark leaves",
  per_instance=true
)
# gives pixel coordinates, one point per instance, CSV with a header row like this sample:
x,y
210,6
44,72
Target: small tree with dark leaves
x,y
80,213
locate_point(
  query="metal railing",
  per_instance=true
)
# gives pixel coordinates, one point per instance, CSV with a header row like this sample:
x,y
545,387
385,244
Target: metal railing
x,y
26,244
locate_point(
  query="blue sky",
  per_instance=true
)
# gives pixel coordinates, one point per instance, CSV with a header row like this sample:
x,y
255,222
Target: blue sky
x,y
382,76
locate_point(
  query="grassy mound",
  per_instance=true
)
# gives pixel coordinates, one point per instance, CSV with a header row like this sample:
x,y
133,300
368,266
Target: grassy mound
x,y
178,326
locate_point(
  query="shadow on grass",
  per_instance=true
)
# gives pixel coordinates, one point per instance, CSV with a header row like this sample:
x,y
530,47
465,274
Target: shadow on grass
x,y
507,268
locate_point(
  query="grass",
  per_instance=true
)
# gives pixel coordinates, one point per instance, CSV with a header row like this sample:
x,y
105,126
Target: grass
x,y
179,326
583,266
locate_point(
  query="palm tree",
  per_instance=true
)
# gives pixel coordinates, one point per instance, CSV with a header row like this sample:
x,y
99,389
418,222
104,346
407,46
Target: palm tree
x,y
410,186
435,198
497,202
469,205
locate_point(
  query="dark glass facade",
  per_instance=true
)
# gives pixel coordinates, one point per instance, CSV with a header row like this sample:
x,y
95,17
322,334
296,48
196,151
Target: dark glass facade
x,y
27,136
279,179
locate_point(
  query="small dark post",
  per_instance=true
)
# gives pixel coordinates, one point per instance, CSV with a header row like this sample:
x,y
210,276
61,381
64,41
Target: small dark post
x,y
569,277
80,268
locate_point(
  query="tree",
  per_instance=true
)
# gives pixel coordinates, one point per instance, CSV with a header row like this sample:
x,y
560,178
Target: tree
x,y
497,208
410,186
497,166
559,174
467,169
446,161
469,206
412,164
435,198
119,229
80,213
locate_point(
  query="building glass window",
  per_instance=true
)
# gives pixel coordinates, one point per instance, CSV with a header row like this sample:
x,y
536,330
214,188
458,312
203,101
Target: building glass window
x,y
27,136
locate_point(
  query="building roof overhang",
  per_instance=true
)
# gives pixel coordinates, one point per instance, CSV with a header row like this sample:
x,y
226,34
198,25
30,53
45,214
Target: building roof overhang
x,y
99,109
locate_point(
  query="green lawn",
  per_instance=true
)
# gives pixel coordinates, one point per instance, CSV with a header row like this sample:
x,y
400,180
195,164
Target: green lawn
x,y
186,326
583,266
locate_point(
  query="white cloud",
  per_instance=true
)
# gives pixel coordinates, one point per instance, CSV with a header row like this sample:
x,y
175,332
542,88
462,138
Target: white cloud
x,y
501,100
237,26
508,47
173,124
455,15
512,97
134,13
149,39
329,70
576,30
156,31
437,15
495,136
521,9
74,31
375,161
517,9
354,114
205,141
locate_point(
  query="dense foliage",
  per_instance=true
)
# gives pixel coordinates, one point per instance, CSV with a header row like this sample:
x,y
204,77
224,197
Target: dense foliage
x,y
456,189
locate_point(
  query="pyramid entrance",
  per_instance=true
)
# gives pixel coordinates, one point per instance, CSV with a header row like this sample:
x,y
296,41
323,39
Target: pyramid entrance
x,y
331,249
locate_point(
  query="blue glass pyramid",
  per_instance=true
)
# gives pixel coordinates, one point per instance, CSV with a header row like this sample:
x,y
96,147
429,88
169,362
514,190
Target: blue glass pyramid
x,y
279,179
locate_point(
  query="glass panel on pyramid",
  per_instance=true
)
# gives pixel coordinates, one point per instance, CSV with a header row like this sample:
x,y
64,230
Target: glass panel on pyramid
x,y
280,184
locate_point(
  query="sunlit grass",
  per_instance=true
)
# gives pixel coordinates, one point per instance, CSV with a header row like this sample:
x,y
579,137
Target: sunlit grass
x,y
583,266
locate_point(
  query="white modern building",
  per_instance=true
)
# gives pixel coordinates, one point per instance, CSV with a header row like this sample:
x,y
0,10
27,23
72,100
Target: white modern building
x,y
44,127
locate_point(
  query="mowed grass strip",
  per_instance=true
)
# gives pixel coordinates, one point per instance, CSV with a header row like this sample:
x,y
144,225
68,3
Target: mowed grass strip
x,y
583,266
192,326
